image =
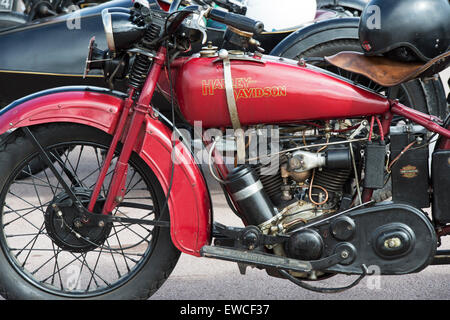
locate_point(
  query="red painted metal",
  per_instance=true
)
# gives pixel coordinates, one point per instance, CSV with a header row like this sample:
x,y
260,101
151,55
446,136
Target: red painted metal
x,y
110,154
444,144
367,195
423,119
189,198
90,108
164,5
189,201
269,91
386,120
117,189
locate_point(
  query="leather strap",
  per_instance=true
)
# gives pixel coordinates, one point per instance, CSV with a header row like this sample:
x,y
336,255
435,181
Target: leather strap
x,y
231,101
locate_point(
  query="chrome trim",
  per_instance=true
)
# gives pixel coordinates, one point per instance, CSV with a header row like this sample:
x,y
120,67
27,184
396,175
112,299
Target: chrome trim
x,y
248,191
107,25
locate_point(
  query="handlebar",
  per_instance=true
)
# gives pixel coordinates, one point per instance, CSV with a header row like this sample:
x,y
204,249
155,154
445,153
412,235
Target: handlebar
x,y
175,5
237,21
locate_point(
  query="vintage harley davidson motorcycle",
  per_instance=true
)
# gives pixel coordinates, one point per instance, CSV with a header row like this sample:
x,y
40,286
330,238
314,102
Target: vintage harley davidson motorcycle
x,y
123,193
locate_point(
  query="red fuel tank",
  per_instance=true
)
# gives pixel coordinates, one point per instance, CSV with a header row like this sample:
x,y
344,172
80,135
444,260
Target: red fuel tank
x,y
269,90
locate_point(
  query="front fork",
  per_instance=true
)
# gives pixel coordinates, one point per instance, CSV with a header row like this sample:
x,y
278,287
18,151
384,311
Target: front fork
x,y
139,110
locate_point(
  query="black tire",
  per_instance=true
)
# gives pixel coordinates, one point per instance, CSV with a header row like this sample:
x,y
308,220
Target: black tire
x,y
145,277
36,166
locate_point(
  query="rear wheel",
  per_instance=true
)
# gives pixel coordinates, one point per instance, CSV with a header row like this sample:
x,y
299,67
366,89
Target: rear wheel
x,y
50,256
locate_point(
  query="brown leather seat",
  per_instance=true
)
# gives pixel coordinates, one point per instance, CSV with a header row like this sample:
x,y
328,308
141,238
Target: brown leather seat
x,y
387,72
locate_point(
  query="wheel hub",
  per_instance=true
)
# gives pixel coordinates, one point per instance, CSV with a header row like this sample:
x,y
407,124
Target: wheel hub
x,y
69,229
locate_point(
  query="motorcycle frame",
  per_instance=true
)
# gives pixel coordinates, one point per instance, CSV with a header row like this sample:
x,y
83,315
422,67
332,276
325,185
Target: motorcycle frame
x,y
135,124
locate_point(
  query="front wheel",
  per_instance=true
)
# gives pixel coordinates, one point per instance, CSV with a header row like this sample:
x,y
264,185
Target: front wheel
x,y
45,255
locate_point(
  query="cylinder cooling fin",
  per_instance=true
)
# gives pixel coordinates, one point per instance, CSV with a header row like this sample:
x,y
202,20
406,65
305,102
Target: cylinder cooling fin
x,y
332,179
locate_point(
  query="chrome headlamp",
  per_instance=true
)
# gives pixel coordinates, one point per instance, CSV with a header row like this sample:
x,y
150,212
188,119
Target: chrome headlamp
x,y
121,32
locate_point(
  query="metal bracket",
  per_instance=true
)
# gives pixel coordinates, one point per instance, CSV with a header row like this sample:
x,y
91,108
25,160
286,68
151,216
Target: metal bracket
x,y
256,258
232,107
241,58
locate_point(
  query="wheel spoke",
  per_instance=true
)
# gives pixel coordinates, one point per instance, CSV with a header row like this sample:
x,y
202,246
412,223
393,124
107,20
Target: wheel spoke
x,y
40,240
114,260
93,273
120,246
56,267
32,240
71,174
20,217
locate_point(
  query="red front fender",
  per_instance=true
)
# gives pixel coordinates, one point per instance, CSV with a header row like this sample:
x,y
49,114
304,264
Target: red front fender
x,y
189,202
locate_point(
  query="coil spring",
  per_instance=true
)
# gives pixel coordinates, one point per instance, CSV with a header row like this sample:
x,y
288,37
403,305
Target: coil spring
x,y
141,64
151,34
139,71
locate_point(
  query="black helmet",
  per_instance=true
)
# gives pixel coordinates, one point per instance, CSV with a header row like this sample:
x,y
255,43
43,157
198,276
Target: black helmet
x,y
407,30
